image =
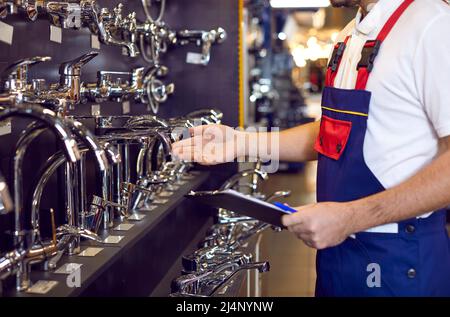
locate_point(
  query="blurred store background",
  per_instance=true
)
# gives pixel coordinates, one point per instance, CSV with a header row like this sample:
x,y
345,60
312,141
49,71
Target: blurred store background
x,y
287,45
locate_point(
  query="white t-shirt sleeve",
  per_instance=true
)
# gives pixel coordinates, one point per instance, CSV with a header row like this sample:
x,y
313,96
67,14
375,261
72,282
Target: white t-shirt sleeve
x,y
432,73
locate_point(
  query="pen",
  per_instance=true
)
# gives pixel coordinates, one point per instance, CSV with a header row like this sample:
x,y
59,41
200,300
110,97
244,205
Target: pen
x,y
285,207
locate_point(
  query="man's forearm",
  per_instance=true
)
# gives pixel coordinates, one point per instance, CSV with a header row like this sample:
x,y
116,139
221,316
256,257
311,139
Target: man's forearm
x,y
292,145
426,191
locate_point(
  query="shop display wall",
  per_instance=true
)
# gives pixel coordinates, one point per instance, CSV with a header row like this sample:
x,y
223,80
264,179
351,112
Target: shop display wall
x,y
212,86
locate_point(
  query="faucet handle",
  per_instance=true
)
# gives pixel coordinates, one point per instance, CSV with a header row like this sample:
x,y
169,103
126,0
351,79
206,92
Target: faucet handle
x,y
73,67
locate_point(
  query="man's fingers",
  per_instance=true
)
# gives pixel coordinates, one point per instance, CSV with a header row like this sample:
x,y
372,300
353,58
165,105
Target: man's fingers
x,y
194,141
188,153
290,220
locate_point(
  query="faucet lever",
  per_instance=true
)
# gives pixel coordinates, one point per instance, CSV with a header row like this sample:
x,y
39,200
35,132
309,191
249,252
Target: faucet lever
x,y
73,67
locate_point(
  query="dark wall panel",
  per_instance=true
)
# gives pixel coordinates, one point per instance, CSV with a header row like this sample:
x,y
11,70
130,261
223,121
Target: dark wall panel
x,y
196,86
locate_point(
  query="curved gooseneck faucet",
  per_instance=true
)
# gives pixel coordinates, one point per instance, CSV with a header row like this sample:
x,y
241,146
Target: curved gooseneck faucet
x,y
46,118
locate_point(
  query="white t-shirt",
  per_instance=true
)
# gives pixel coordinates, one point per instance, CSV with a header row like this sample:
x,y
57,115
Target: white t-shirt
x,y
410,85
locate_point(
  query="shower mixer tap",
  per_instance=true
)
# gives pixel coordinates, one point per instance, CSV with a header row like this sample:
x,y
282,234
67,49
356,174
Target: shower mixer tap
x,y
16,88
205,39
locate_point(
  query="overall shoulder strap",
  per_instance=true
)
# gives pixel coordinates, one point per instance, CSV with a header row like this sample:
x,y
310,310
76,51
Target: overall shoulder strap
x,y
372,48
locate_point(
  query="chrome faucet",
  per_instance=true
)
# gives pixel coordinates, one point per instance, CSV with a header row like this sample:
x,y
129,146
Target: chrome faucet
x,y
234,181
205,39
76,208
112,26
128,85
48,118
156,91
207,283
109,26
15,87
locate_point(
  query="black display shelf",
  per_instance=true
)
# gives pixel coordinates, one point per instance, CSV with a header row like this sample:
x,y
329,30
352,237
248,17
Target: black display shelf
x,y
145,256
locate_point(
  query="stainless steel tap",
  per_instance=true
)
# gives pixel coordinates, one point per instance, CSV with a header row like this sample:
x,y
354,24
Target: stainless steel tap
x,y
207,283
116,86
233,181
70,84
112,26
15,87
205,39
48,118
101,208
193,264
76,210
156,91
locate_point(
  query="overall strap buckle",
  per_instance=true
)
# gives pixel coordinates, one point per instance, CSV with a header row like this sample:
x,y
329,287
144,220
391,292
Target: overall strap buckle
x,y
338,52
369,54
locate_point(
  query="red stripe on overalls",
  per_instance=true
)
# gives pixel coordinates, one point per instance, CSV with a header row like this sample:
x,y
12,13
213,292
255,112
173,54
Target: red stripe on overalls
x,y
363,72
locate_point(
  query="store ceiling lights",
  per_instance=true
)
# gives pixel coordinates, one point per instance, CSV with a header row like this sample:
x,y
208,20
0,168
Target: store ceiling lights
x,y
299,4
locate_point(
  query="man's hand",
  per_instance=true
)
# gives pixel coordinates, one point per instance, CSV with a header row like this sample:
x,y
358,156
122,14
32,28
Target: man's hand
x,y
321,225
211,144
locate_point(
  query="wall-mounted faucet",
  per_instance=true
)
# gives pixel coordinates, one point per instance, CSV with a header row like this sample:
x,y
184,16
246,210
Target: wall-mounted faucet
x,y
205,39
16,88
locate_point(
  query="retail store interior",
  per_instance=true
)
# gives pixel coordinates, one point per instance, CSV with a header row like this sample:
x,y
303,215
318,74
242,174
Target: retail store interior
x,y
93,93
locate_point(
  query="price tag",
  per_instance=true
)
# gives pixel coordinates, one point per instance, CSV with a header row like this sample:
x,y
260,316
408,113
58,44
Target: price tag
x,y
194,58
95,110
113,239
55,34
90,252
5,127
42,287
68,268
124,227
6,33
126,107
95,43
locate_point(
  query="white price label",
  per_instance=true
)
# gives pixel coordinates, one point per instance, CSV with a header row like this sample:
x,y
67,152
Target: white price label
x,y
5,127
126,108
95,43
194,58
95,110
6,33
42,287
55,34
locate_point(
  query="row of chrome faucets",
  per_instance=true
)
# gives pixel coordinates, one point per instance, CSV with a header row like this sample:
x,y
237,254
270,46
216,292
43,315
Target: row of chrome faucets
x,y
222,254
149,38
139,85
117,198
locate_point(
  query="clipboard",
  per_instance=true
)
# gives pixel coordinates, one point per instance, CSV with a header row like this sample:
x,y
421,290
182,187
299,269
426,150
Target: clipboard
x,y
242,204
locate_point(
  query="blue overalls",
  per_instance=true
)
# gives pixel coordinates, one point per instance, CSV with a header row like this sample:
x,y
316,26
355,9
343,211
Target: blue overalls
x,y
413,262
